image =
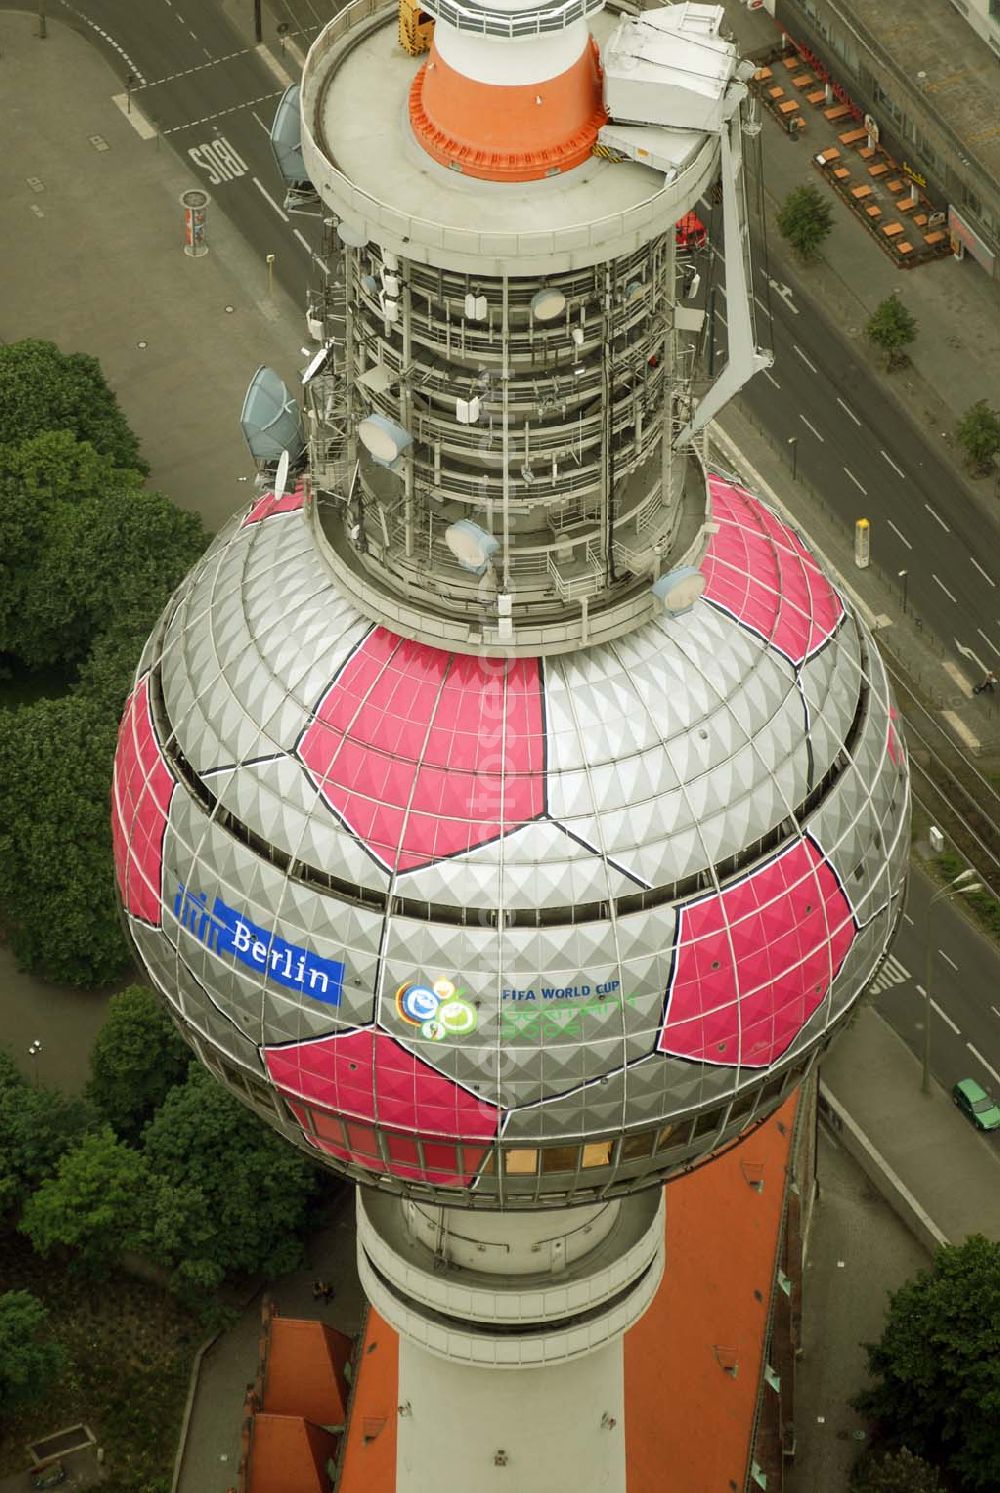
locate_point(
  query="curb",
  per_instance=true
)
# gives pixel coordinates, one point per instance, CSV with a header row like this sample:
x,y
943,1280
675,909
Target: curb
x,y
182,1437
880,1173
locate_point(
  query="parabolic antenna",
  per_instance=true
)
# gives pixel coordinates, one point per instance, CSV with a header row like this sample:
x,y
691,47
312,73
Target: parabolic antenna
x,y
679,589
354,238
547,303
471,545
384,439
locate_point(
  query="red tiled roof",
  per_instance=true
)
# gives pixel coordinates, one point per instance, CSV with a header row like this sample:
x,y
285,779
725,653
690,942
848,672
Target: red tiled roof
x,y
683,1411
288,1455
369,1464
305,1371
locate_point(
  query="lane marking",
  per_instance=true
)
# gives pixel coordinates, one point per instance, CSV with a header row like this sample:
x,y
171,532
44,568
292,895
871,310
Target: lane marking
x,y
947,960
770,380
848,411
945,1017
273,65
766,309
719,317
268,198
805,360
854,479
263,126
135,116
889,459
995,1011
809,426
303,240
986,640
988,1066
961,730
235,109
907,919
935,515
198,68
944,588
955,674
985,574
140,76
899,533
893,972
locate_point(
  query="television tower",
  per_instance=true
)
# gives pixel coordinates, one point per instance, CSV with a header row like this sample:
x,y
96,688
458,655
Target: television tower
x,y
509,806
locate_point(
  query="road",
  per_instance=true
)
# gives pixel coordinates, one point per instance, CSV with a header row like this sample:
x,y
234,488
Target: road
x,y
866,459
965,991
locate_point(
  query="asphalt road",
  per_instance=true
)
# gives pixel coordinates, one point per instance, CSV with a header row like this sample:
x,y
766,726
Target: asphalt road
x,y
212,97
866,459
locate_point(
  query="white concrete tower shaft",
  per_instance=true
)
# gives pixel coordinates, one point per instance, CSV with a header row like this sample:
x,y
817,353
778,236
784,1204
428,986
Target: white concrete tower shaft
x,y
511,1329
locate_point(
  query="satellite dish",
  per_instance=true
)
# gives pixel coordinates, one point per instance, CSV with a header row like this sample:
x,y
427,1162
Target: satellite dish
x,y
679,589
383,438
281,476
353,237
471,545
317,362
271,418
547,303
286,137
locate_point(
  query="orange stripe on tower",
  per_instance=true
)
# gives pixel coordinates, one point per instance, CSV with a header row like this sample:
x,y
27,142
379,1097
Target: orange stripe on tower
x,y
508,132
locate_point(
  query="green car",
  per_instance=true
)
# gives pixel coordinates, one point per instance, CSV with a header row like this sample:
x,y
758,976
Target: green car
x,y
973,1100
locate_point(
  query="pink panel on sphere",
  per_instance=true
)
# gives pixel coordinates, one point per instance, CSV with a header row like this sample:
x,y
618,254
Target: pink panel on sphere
x,y
758,569
427,754
892,739
268,504
752,965
141,787
366,1076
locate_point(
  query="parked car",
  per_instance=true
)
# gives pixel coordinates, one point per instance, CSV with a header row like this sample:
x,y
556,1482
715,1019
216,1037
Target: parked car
x,y
974,1102
50,1476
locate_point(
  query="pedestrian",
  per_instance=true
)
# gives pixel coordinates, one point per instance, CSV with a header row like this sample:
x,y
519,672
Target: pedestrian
x,y
987,685
328,1294
317,1289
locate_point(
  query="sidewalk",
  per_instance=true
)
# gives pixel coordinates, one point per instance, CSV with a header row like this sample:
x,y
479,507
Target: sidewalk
x,y
955,359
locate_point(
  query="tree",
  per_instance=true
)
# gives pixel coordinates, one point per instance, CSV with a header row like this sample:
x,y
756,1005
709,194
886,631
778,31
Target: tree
x,y
37,1125
891,327
137,1059
896,1472
92,1204
57,893
978,434
936,1370
30,1361
227,1195
43,389
804,219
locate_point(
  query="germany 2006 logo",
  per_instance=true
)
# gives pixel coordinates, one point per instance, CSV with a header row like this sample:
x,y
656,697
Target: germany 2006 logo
x,y
438,1010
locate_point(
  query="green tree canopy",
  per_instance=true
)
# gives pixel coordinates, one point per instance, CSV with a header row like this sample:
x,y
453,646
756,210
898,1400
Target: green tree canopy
x,y
892,328
37,1125
30,1360
896,1472
936,1370
44,389
227,1194
92,1204
57,894
804,219
978,434
136,1060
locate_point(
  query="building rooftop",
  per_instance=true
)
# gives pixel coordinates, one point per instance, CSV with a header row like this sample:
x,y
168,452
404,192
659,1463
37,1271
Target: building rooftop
x,y
304,1371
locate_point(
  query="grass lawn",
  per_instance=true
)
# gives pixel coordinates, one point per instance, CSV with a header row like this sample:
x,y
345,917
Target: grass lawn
x,y
130,1348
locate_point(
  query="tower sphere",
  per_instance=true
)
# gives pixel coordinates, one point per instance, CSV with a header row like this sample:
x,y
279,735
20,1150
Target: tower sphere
x,y
512,810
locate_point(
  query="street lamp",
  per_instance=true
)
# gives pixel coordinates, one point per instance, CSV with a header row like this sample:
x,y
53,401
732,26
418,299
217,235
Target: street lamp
x,y
793,441
33,1052
960,887
904,576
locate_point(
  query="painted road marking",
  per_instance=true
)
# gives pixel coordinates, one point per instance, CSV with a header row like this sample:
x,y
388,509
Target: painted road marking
x,y
985,575
995,1011
907,919
988,1066
268,198
893,972
760,303
899,472
947,960
219,159
271,62
955,674
937,517
848,411
805,360
986,640
945,1017
961,730
944,588
898,533
302,240
770,380
235,109
134,115
854,479
809,426
140,77
719,317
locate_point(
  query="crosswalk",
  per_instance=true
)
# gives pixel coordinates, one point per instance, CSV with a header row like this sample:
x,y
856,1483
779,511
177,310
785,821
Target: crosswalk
x,y
893,972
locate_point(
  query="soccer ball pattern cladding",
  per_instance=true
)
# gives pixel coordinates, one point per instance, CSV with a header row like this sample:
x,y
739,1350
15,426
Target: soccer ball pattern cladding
x,y
510,931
